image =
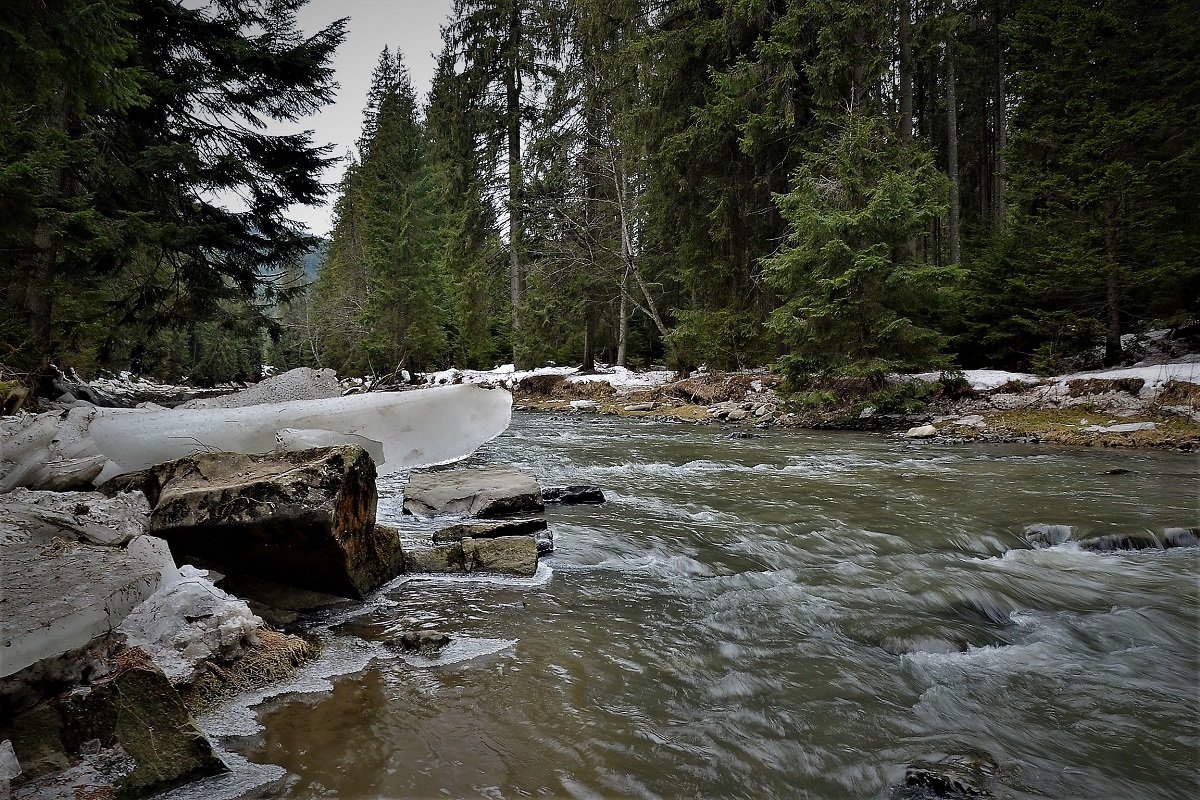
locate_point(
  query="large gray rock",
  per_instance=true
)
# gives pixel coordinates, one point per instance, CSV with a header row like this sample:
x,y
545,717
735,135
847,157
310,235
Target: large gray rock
x,y
490,492
303,519
505,555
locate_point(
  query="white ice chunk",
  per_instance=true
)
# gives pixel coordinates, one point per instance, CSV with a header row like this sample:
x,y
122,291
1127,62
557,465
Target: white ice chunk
x,y
417,428
188,621
292,439
1128,427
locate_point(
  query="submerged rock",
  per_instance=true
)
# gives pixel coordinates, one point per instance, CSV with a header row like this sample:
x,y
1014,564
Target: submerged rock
x,y
427,643
304,519
1181,537
573,495
1046,535
952,777
489,492
1112,542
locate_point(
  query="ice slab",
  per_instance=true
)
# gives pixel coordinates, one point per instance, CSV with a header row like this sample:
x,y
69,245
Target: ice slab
x,y
417,428
60,596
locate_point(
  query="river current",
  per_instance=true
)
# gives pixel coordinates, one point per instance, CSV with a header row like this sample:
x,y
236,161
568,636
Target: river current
x,y
799,614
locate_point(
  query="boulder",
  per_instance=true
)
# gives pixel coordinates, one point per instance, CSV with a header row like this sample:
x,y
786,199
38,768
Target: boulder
x,y
953,777
1046,535
1181,537
1112,542
489,529
572,495
490,492
426,643
136,710
921,432
640,407
505,555
304,519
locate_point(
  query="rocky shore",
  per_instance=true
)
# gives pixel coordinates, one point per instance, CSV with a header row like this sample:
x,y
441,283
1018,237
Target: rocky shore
x,y
129,608
1155,407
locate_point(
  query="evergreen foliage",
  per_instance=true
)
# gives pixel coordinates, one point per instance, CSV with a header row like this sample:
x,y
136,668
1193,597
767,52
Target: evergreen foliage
x,y
164,118
842,188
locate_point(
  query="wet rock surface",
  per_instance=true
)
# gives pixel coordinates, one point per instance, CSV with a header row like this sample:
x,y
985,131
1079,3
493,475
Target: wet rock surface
x,y
506,555
425,642
489,492
305,519
573,495
952,777
136,710
489,529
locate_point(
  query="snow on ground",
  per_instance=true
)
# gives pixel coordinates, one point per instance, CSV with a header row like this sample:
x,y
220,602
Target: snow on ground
x,y
507,376
1155,376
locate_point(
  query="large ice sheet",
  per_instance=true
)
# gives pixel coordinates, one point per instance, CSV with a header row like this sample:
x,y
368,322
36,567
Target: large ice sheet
x,y
415,428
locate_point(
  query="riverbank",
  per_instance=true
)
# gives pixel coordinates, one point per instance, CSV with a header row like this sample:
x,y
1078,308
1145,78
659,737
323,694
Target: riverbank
x,y
1143,407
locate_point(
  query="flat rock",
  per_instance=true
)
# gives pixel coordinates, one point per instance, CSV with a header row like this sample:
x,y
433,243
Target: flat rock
x,y
490,492
489,529
505,555
921,432
304,519
571,495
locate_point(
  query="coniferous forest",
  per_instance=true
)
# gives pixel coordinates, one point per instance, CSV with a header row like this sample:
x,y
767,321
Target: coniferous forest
x,y
840,188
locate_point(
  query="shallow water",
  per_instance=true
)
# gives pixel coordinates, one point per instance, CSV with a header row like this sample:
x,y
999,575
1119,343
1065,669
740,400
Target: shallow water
x,y
770,617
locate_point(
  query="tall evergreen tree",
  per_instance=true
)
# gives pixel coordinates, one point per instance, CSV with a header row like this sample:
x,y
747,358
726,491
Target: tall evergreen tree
x,y
1104,161
176,128
508,48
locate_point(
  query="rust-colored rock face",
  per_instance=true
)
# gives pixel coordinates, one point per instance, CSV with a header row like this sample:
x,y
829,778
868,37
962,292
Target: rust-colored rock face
x,y
304,519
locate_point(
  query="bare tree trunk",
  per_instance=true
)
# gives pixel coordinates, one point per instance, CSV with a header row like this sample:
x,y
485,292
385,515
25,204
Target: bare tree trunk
x,y
952,152
589,337
1112,280
39,298
999,211
513,114
623,320
906,82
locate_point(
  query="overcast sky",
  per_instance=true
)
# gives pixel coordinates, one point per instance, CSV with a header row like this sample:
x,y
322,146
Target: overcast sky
x,y
412,26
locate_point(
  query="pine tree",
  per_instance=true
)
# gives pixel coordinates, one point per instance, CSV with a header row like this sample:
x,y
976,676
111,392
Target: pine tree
x,y
856,301
167,119
1104,161
508,48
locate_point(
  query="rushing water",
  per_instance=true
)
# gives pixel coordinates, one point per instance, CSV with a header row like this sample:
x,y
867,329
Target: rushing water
x,y
779,616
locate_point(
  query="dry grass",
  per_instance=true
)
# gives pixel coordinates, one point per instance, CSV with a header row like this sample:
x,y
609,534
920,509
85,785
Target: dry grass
x,y
1061,426
274,658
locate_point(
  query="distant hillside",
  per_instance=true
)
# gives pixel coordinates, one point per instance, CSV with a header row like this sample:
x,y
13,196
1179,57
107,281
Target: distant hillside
x,y
313,260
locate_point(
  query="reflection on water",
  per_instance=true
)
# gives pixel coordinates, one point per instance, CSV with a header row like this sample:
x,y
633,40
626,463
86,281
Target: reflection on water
x,y
795,615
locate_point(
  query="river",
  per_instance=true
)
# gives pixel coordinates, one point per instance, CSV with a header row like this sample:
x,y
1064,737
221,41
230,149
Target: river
x,y
779,616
